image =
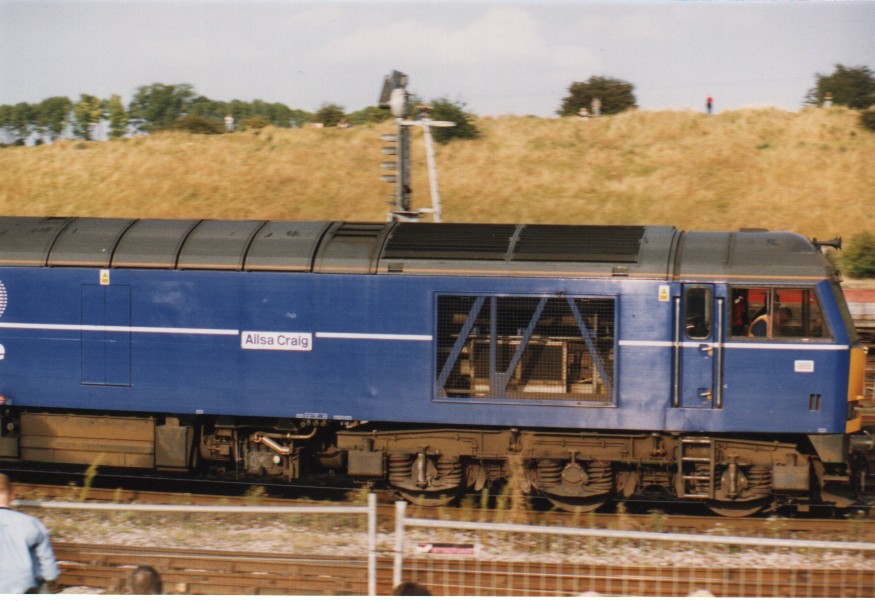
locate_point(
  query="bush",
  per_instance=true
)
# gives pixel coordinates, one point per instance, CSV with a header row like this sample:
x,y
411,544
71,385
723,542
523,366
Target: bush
x,y
329,115
195,124
256,122
444,110
859,259
615,95
867,118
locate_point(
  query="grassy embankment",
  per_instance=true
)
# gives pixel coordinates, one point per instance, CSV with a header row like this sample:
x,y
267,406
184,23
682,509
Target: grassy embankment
x,y
812,171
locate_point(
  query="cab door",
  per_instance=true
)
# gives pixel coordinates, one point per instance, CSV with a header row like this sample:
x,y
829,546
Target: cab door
x,y
698,344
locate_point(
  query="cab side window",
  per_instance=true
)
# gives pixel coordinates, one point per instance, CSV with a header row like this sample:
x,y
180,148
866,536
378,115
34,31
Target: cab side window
x,y
776,313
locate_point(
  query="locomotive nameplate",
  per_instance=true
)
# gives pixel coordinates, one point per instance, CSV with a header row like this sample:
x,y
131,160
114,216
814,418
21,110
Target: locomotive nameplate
x,y
276,341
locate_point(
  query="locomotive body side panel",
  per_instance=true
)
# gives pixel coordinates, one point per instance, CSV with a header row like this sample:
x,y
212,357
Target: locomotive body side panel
x,y
350,347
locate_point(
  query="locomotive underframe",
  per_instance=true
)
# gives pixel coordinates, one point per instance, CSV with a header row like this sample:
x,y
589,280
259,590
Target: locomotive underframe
x,y
574,469
585,468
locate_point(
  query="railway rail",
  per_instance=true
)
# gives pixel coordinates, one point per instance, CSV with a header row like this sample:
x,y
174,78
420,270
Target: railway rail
x,y
215,573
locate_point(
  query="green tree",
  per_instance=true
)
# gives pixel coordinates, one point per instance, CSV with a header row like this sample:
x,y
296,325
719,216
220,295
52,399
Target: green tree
x,y
118,117
859,258
298,117
53,115
240,110
22,120
88,112
853,87
369,114
615,95
329,115
6,119
280,115
205,107
157,106
445,110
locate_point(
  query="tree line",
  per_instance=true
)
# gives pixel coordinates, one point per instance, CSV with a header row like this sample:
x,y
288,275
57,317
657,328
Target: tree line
x,y
159,106
167,106
152,108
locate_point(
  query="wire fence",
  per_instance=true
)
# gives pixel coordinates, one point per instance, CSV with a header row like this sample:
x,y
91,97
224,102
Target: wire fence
x,y
347,531
485,558
477,558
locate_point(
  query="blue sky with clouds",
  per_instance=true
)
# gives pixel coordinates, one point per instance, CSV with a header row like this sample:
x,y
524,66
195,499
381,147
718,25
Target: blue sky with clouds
x,y
496,57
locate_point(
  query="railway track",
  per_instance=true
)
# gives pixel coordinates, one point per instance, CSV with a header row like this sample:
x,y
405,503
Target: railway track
x,y
204,572
858,527
216,573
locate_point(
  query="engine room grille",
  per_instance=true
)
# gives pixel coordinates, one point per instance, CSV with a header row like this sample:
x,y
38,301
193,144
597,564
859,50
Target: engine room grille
x,y
585,243
449,241
582,243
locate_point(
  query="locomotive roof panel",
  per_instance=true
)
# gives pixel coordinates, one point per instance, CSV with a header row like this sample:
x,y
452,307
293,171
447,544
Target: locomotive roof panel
x,y
749,254
351,247
285,246
218,245
152,243
26,241
87,242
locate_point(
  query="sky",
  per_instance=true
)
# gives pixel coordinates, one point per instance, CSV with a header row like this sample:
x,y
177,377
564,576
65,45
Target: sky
x,y
495,57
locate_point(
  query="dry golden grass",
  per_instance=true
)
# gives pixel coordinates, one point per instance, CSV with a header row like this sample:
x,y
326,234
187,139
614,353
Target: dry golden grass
x,y
811,172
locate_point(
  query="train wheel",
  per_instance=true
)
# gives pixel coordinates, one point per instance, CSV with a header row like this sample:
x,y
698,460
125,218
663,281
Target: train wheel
x,y
578,504
739,509
429,499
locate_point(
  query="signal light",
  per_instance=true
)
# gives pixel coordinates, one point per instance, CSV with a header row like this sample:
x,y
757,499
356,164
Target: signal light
x,y
389,178
389,165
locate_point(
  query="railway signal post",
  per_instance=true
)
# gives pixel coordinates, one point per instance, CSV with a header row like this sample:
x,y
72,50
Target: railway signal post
x,y
395,97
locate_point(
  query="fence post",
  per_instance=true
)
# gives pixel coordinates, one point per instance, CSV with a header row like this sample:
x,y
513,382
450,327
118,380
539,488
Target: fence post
x,y
400,508
372,544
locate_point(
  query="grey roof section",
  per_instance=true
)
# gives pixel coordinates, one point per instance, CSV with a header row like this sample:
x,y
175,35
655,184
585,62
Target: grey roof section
x,y
26,241
153,243
351,248
749,255
88,242
285,246
218,245
652,252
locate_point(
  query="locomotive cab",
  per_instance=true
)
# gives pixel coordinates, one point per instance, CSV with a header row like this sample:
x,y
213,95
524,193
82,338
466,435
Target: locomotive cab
x,y
783,351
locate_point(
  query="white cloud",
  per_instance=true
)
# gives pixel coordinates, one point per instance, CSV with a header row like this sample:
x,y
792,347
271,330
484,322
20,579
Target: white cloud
x,y
499,35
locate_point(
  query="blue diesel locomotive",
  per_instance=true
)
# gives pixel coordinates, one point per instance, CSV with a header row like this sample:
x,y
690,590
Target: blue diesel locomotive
x,y
583,362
